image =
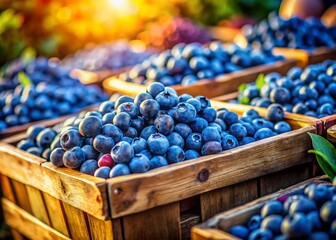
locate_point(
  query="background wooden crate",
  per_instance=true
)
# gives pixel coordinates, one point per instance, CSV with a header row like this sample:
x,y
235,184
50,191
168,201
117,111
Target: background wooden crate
x,y
208,87
163,203
218,226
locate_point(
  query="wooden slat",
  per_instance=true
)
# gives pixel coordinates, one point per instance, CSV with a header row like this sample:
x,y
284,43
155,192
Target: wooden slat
x,y
158,223
56,214
37,204
210,234
223,199
80,190
78,226
117,229
6,188
100,230
283,179
26,224
16,235
21,196
208,87
139,192
187,222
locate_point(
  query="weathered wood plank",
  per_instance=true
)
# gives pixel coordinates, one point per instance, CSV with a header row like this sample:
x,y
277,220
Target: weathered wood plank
x,y
100,230
16,235
26,224
21,196
158,223
139,192
37,204
117,229
283,179
222,199
187,222
6,188
56,214
78,226
210,88
80,190
210,234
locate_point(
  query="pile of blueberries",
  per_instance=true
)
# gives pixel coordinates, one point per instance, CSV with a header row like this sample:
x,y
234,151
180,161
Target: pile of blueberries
x,y
166,33
311,91
186,64
155,129
107,56
50,93
292,33
307,214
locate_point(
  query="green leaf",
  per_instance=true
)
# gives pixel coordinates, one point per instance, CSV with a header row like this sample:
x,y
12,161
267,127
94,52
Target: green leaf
x,y
242,87
244,100
325,154
260,81
28,55
24,79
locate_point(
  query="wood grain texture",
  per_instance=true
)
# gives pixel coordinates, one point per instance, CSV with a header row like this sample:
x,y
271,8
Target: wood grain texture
x,y
139,192
16,235
158,223
223,199
210,234
117,229
80,190
27,224
285,178
208,87
78,226
6,188
21,196
187,222
100,230
56,214
37,204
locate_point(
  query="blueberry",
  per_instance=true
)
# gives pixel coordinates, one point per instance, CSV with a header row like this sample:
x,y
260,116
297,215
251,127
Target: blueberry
x,y
122,99
45,138
157,162
239,231
196,103
70,139
320,194
122,152
74,158
230,118
119,170
185,113
191,154
25,144
300,108
35,151
93,114
166,100
318,236
139,144
149,108
102,172
273,223
246,140
198,124
198,63
175,154
122,121
209,114
130,132
332,230
90,152
314,218
108,117
275,113
303,205
205,102
280,95
184,97
158,144
263,133
253,114
56,157
138,124
210,134
211,147
90,126
264,234
296,226
103,143
112,131
164,124
328,212
89,167
249,129
175,139
221,123
141,97
139,164
294,73
106,107
229,142
272,208
130,108
282,127
326,108
194,141
238,131
177,65
254,222
183,130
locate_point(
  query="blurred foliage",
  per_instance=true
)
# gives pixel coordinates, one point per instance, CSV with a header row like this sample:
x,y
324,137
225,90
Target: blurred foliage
x,y
60,27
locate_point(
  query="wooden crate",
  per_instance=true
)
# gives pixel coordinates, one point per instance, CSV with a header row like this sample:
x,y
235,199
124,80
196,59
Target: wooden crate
x,y
218,226
47,123
306,57
164,203
208,87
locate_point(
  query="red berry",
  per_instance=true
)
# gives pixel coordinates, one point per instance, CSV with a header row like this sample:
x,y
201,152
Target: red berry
x,y
106,161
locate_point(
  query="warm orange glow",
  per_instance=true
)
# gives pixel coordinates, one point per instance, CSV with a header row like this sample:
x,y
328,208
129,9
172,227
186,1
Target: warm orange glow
x,y
121,6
